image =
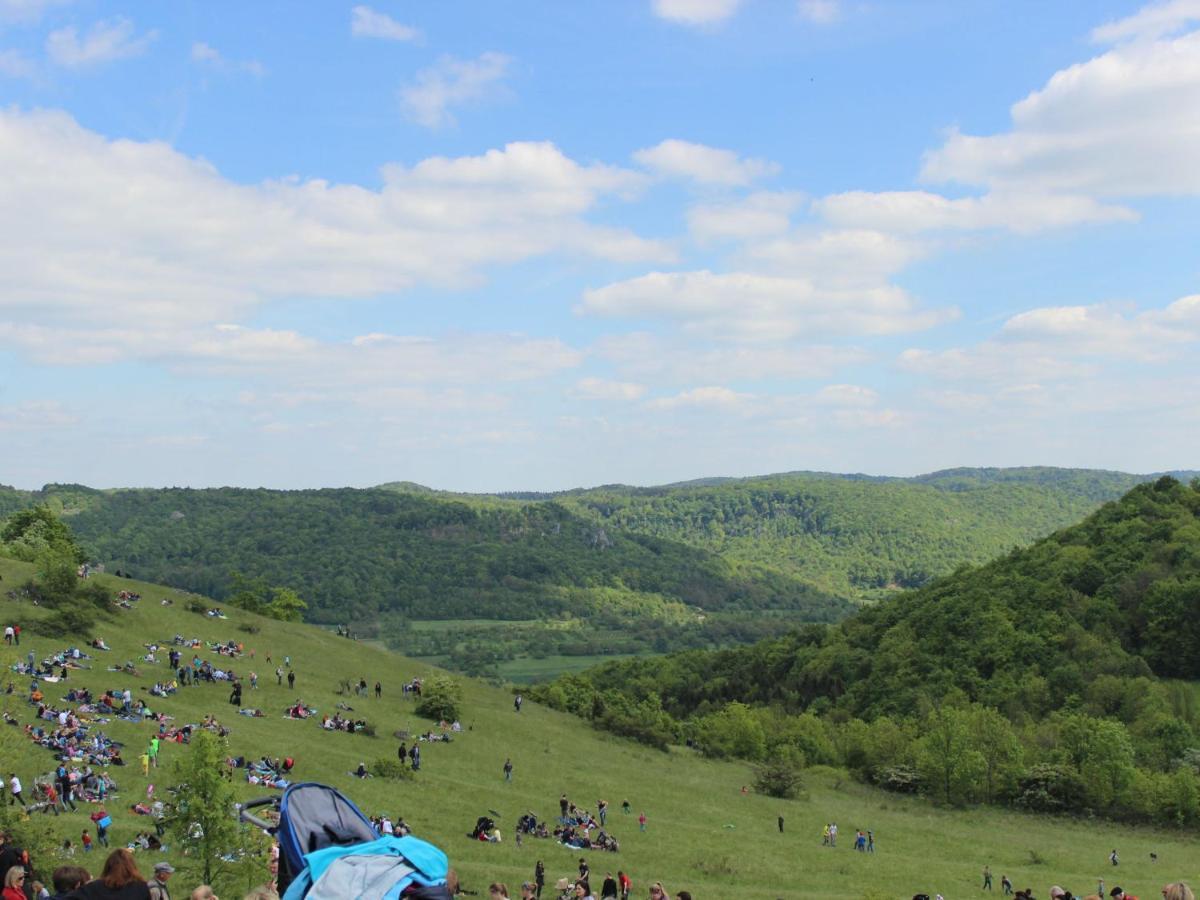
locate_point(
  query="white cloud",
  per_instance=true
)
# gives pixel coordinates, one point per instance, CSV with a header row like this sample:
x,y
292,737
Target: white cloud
x,y
451,82
367,22
1107,330
920,211
206,54
696,12
27,11
1119,125
135,235
1066,342
819,12
1153,21
762,214
105,41
709,398
646,356
15,64
602,389
842,257
746,306
846,395
36,415
674,158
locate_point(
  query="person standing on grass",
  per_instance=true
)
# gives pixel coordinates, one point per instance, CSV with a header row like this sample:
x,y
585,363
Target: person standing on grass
x,y
508,767
642,822
1005,885
625,884
403,753
517,701
279,675
781,824
158,884
539,877
14,791
99,816
17,635
608,890
378,690
987,878
1113,858
291,679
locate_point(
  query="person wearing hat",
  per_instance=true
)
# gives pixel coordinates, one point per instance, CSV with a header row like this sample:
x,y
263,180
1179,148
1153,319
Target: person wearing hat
x,y
1118,894
158,884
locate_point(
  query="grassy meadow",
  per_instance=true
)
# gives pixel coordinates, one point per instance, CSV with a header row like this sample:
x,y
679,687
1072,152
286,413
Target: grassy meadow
x,y
703,834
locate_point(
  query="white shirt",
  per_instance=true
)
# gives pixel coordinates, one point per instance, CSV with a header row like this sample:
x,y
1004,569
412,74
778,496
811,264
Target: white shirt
x,y
15,784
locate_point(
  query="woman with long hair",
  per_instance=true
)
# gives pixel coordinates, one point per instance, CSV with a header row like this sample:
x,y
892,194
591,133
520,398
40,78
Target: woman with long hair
x,y
120,880
1178,891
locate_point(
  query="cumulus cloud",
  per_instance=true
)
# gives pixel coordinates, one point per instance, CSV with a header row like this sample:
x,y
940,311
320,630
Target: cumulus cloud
x,y
1153,21
603,389
647,356
135,234
746,306
207,55
15,64
674,158
920,211
450,83
27,11
705,398
1119,125
367,22
695,12
105,41
1066,342
819,12
761,214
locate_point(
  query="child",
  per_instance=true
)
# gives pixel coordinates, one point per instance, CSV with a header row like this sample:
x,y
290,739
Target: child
x,y
87,842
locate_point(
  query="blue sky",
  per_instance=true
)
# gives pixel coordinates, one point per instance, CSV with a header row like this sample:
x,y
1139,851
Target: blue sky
x,y
492,246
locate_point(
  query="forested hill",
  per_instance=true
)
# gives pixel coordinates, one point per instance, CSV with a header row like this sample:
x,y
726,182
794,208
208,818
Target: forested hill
x,y
354,554
858,536
1089,616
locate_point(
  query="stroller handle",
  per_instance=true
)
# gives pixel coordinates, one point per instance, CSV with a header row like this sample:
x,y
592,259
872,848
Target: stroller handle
x,y
245,816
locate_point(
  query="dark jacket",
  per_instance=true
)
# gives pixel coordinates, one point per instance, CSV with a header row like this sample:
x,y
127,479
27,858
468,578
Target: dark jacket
x,y
98,890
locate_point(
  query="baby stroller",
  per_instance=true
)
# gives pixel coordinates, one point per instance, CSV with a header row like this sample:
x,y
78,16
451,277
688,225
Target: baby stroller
x,y
328,850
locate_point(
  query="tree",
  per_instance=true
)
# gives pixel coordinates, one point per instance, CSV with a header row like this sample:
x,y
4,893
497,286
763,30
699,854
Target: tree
x,y
733,730
945,757
992,736
205,826
57,576
781,775
286,605
31,532
441,697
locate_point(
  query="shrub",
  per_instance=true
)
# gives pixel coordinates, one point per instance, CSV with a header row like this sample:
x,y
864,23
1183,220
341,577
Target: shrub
x,y
249,628
386,767
441,697
196,606
781,775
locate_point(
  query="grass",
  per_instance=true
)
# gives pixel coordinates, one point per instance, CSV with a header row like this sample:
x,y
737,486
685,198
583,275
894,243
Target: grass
x,y
704,835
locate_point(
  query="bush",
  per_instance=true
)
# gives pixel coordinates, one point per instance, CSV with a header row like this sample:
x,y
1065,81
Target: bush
x,y
441,697
249,628
386,767
781,775
96,594
76,618
196,606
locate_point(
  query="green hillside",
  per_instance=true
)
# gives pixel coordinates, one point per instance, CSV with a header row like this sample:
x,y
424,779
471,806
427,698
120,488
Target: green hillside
x,y
703,834
857,536
555,582
1047,672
